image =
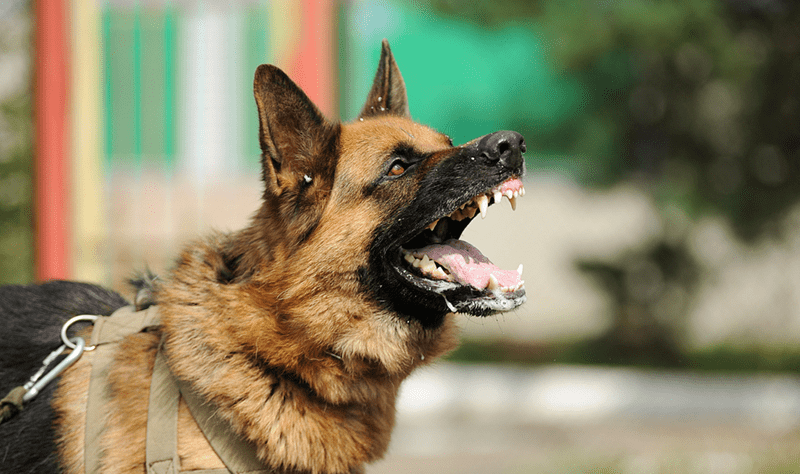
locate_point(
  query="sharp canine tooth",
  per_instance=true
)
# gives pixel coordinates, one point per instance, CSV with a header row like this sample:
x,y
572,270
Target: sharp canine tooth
x,y
440,274
522,191
483,204
519,269
513,201
493,283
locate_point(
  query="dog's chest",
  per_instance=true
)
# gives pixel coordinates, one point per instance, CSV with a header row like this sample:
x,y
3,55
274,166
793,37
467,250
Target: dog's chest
x,y
123,440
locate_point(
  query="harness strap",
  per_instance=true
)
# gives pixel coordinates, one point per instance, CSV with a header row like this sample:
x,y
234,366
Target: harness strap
x,y
162,420
238,455
107,330
122,323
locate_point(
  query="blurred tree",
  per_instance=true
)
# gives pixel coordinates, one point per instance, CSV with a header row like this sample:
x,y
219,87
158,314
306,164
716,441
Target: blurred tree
x,y
699,98
698,101
16,240
649,291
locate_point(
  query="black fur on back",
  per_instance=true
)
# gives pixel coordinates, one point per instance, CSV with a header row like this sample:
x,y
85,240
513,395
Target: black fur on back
x,y
31,317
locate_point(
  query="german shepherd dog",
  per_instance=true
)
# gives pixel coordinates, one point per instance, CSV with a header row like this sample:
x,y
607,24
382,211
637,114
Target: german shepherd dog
x,y
299,328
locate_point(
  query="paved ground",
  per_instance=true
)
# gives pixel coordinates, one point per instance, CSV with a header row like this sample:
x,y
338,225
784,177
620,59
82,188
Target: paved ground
x,y
484,419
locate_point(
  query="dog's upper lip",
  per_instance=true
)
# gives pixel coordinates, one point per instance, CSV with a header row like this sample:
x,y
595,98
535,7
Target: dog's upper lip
x,y
511,189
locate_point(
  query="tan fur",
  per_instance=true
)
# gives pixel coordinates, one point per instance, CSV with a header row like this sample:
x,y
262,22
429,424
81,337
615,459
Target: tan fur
x,y
292,350
351,355
69,404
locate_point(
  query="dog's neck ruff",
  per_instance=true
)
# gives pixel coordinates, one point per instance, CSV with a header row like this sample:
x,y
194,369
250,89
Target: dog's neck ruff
x,y
238,455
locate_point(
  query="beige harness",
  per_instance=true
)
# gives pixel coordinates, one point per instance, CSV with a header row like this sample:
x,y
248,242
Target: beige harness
x,y
238,455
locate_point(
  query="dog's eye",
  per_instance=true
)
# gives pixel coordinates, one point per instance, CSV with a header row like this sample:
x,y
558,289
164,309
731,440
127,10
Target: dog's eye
x,y
398,168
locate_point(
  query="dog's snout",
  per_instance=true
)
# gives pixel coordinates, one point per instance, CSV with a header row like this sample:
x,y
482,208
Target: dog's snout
x,y
505,147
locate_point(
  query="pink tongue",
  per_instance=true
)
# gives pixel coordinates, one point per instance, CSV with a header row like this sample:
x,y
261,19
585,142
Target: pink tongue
x,y
467,264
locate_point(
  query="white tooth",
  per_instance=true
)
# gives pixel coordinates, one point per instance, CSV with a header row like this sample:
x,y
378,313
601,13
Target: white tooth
x,y
513,201
427,264
497,197
440,274
509,193
516,193
483,204
416,262
493,283
409,258
522,191
519,270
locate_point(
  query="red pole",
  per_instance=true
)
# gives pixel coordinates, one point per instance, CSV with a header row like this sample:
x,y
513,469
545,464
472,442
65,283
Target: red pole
x,y
51,220
314,63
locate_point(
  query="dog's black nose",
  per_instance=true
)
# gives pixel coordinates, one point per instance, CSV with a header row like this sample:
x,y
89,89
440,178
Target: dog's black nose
x,y
505,146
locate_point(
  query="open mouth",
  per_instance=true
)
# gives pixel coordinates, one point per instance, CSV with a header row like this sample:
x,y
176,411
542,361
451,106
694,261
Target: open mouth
x,y
436,260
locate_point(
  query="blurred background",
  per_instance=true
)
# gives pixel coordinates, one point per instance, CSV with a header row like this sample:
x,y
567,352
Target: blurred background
x,y
660,232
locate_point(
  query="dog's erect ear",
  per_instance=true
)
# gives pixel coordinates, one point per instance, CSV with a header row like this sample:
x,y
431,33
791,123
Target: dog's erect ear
x,y
388,93
290,125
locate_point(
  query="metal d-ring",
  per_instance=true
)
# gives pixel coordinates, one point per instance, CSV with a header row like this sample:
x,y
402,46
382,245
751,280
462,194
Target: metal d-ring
x,y
83,317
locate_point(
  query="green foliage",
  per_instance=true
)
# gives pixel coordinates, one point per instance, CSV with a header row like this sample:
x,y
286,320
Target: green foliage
x,y
698,99
504,351
721,358
16,238
16,247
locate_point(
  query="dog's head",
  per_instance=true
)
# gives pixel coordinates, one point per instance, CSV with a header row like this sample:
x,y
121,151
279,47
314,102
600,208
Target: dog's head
x,y
381,202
